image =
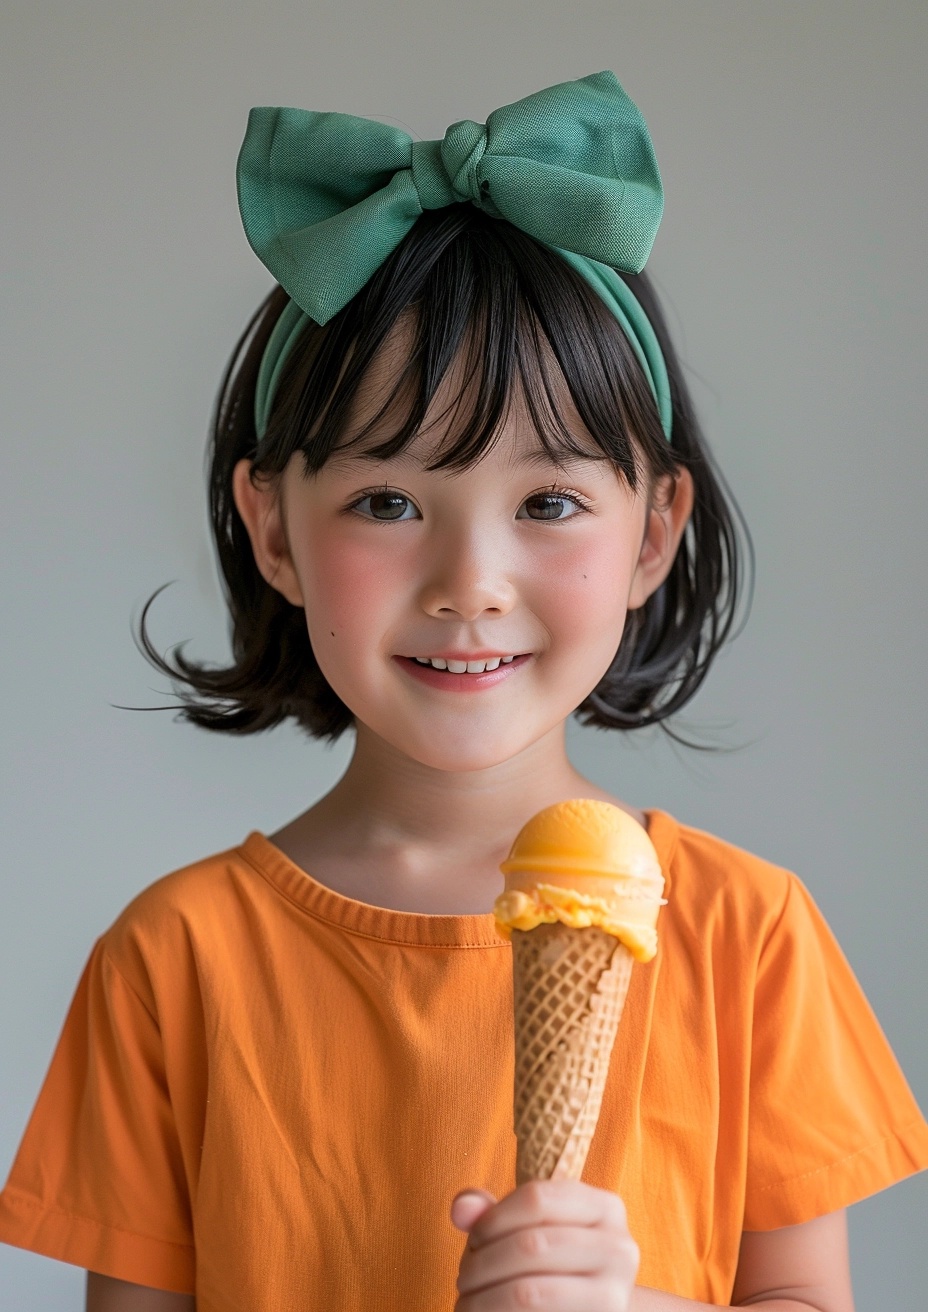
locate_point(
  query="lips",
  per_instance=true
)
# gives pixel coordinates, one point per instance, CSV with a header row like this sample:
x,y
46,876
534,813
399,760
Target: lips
x,y
452,681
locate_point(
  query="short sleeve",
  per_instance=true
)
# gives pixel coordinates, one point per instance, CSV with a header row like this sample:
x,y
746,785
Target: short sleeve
x,y
832,1119
98,1179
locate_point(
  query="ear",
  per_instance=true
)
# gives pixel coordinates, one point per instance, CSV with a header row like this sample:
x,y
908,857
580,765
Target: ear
x,y
259,504
668,514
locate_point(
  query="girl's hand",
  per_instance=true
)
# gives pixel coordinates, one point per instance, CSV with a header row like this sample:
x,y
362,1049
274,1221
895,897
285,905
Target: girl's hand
x,y
553,1244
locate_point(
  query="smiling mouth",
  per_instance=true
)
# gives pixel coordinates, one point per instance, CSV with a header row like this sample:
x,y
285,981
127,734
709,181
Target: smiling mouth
x,y
461,675
463,667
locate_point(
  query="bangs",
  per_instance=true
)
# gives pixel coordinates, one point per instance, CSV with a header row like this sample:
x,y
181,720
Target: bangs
x,y
474,295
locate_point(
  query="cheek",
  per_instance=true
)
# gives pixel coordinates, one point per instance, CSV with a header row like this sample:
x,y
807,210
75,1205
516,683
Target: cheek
x,y
585,588
346,585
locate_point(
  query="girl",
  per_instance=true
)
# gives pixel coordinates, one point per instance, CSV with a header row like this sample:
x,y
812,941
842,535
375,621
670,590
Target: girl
x,y
459,494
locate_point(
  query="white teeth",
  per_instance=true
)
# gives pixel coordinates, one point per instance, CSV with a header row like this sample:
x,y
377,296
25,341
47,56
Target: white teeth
x,y
461,667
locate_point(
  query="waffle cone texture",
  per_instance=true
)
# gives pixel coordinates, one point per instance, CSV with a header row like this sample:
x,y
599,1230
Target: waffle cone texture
x,y
569,988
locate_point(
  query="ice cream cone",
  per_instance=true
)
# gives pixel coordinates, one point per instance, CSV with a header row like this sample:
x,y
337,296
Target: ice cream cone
x,y
583,888
569,992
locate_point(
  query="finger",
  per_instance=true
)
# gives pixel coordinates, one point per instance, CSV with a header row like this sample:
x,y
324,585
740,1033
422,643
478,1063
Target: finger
x,y
549,1202
556,1293
467,1207
542,1250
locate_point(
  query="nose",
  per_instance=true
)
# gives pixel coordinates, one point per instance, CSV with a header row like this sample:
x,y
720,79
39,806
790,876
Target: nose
x,y
466,575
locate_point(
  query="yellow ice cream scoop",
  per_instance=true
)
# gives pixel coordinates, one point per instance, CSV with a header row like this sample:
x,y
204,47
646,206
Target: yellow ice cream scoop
x,y
584,863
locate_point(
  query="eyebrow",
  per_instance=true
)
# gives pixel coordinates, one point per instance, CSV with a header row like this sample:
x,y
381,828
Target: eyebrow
x,y
536,456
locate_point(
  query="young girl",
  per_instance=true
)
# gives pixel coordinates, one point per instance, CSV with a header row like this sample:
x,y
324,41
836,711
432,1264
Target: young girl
x,y
459,494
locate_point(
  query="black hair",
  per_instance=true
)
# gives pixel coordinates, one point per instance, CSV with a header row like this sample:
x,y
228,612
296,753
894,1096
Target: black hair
x,y
480,285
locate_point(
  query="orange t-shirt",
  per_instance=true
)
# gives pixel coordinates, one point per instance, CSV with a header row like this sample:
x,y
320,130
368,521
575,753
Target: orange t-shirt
x,y
267,1093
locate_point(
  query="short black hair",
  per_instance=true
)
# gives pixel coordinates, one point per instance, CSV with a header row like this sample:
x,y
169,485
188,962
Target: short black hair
x,y
467,278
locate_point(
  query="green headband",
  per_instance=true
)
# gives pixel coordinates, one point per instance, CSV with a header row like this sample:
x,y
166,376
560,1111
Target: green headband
x,y
326,198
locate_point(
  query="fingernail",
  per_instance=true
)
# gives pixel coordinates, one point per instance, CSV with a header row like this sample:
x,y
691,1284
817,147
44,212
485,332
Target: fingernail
x,y
468,1206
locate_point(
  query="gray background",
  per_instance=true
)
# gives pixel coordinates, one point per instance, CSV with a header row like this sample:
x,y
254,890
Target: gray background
x,y
791,139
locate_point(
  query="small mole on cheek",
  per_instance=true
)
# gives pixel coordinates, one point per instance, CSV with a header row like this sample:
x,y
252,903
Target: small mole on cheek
x,y
332,631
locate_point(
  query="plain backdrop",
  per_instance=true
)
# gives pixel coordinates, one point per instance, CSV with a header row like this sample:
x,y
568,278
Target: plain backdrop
x,y
792,262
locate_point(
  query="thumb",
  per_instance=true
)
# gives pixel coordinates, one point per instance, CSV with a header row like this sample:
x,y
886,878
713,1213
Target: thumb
x,y
468,1207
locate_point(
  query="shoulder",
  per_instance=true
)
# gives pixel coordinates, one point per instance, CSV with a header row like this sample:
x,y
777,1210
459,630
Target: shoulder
x,y
177,922
717,890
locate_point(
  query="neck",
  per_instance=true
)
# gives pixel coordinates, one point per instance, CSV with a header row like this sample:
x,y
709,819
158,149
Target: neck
x,y
398,833
396,798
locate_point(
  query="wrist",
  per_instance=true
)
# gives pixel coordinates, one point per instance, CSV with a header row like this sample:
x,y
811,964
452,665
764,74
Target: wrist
x,y
644,1299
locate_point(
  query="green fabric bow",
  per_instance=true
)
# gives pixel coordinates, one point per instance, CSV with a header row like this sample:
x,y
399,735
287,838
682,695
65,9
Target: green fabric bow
x,y
325,198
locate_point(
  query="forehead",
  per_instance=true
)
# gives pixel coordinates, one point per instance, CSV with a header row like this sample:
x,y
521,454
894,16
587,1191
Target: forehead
x,y
387,391
511,450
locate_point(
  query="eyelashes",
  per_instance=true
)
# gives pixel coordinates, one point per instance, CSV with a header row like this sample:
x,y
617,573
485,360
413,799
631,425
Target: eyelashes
x,y
552,497
387,499
389,505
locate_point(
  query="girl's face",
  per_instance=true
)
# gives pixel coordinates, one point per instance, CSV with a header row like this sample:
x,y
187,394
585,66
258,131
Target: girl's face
x,y
514,562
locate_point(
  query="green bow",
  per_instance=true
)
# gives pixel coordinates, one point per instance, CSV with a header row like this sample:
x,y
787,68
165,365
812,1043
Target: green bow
x,y
326,198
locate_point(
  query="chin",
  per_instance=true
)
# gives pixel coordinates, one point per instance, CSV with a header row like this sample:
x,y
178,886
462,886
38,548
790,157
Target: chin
x,y
463,755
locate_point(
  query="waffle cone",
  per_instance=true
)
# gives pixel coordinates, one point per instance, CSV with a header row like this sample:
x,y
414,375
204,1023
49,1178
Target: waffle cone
x,y
569,990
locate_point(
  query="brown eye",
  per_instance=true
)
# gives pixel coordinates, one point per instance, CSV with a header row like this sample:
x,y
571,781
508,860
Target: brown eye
x,y
386,505
547,506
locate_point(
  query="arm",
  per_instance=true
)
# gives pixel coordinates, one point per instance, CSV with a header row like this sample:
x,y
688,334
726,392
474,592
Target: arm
x,y
789,1270
105,1294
